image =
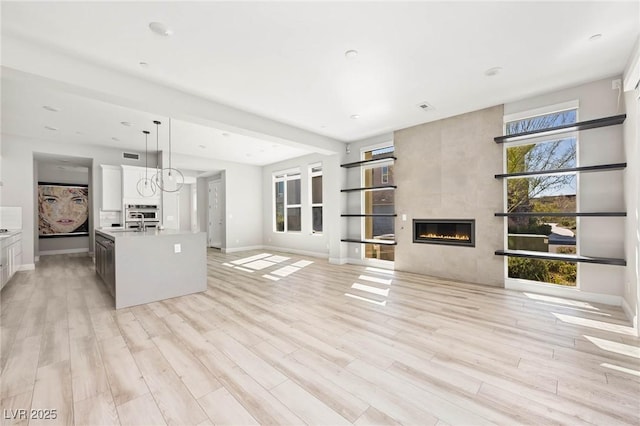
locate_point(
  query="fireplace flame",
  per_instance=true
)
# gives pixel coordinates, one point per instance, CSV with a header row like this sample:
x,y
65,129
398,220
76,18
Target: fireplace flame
x,y
461,237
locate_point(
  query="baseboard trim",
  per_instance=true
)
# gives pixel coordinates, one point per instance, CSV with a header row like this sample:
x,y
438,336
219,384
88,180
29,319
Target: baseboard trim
x,y
66,251
296,251
631,315
237,249
559,291
375,263
27,267
337,261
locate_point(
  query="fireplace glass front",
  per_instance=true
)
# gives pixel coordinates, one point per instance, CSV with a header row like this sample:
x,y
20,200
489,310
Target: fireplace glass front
x,y
459,232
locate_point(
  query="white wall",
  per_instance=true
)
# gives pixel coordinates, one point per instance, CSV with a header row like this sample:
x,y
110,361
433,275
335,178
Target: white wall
x,y
306,241
632,187
242,227
600,191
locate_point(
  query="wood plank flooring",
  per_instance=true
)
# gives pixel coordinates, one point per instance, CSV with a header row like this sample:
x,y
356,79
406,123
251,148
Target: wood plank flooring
x,y
301,344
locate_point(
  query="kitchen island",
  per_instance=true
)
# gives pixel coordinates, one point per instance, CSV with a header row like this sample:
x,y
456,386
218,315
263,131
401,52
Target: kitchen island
x,y
143,267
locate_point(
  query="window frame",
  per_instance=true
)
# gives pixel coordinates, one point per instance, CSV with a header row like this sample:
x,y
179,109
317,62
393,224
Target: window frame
x,y
313,174
535,140
286,176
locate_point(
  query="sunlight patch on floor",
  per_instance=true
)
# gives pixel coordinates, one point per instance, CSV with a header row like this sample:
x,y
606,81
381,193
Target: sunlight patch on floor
x,y
380,271
560,301
375,279
615,347
369,289
375,302
600,325
621,369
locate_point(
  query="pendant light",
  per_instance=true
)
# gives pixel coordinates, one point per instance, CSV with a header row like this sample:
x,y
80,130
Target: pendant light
x,y
146,187
168,179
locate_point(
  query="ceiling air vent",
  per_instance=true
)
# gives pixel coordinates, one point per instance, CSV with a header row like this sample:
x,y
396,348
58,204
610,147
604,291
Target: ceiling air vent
x,y
425,106
130,156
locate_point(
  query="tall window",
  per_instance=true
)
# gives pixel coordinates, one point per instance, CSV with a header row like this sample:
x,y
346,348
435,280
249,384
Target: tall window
x,y
315,177
287,201
379,201
552,193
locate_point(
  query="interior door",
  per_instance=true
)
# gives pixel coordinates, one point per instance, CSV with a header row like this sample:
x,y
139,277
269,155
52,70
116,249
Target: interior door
x,y
215,214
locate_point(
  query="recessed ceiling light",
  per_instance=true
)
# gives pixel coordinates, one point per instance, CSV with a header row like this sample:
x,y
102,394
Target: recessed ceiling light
x,y
125,123
160,29
248,155
595,37
79,133
354,117
493,71
202,146
350,54
143,64
50,108
65,161
115,139
226,135
50,128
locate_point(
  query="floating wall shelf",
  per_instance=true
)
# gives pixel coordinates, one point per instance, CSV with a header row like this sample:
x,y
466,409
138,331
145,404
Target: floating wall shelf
x,y
561,214
381,242
564,257
369,188
598,168
366,162
370,215
582,125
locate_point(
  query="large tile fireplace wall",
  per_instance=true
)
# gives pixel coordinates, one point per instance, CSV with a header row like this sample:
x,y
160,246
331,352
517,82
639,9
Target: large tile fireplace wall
x,y
445,171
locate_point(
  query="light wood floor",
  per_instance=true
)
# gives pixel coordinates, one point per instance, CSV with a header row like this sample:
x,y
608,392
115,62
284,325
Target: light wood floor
x,y
252,350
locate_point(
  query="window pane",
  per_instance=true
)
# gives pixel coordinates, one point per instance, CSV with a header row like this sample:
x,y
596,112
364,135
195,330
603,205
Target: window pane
x,y
549,155
293,219
293,191
554,193
549,271
541,122
382,201
279,194
316,190
317,219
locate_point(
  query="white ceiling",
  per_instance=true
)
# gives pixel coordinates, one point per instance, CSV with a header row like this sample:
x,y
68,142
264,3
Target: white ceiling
x,y
285,61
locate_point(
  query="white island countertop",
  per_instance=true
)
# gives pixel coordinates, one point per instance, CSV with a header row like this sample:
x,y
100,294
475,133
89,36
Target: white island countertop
x,y
156,265
129,233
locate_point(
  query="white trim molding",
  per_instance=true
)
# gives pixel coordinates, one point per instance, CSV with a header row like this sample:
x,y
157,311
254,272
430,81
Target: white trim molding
x,y
27,267
632,71
66,251
561,291
631,315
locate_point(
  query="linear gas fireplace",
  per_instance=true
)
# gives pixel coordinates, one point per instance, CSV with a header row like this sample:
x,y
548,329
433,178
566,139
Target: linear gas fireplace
x,y
457,232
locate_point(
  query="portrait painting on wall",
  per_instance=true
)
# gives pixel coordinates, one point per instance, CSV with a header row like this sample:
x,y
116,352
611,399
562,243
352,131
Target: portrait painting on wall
x,y
63,210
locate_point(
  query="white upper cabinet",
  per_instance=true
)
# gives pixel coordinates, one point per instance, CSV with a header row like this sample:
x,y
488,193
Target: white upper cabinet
x,y
131,175
111,187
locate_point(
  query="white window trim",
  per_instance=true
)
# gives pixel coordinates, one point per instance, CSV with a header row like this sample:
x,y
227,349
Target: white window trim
x,y
514,283
285,176
313,174
548,109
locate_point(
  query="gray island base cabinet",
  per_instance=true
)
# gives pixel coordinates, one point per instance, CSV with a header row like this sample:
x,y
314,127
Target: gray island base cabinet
x,y
155,265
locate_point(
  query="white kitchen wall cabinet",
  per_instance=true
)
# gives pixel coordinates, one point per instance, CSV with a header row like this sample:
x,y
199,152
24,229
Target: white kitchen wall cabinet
x,y
111,188
131,175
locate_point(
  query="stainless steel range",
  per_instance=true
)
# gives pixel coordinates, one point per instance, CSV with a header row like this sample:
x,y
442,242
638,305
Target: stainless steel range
x,y
141,216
